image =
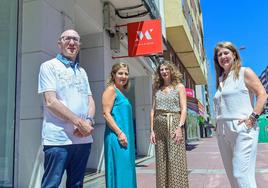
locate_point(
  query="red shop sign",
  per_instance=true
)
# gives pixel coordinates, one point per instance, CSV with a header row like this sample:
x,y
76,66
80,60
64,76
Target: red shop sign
x,y
189,92
144,38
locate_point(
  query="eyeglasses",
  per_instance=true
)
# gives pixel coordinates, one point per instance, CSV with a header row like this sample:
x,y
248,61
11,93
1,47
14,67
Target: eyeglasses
x,y
69,38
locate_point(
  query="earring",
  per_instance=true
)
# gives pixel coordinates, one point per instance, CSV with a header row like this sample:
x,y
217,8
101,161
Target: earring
x,y
234,61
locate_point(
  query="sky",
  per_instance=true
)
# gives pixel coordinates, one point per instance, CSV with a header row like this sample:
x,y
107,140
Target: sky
x,y
242,22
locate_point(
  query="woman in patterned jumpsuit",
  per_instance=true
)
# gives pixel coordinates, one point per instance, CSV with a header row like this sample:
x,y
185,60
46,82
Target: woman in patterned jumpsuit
x,y
168,116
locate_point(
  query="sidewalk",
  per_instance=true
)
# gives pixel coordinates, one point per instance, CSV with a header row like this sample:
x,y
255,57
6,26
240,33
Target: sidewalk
x,y
207,171
204,165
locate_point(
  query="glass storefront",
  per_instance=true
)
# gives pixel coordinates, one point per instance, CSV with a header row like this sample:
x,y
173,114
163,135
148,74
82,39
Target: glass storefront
x,y
8,58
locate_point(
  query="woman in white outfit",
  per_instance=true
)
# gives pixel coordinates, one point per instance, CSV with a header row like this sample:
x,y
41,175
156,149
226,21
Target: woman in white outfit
x,y
236,115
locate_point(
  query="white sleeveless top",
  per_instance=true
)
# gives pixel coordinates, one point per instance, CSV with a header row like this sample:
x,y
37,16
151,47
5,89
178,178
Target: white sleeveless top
x,y
233,100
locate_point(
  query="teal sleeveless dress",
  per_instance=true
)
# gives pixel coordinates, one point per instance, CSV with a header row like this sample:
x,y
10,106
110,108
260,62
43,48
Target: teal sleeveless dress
x,y
120,161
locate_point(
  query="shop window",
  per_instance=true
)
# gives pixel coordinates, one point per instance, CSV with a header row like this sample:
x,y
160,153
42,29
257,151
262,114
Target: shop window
x,y
8,56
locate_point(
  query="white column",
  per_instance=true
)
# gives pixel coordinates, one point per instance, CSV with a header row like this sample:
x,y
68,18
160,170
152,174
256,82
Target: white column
x,y
96,60
143,98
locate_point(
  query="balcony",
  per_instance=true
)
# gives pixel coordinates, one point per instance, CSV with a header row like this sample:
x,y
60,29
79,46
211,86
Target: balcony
x,y
183,35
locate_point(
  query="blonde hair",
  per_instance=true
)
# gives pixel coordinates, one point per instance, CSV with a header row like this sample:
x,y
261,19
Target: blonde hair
x,y
176,76
111,78
235,66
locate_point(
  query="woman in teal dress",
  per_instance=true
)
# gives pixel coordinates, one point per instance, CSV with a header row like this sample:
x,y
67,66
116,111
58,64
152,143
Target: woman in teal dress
x,y
119,133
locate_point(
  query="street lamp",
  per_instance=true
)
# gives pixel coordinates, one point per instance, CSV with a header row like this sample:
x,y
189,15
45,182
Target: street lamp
x,y
242,48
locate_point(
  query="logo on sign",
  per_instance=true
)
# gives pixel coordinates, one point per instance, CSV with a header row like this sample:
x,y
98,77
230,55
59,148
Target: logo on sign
x,y
146,34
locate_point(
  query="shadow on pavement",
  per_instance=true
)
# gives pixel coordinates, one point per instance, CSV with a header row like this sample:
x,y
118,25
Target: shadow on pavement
x,y
190,147
141,165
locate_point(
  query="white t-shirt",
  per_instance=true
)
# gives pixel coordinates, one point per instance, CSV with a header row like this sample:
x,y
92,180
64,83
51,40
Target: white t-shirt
x,y
72,89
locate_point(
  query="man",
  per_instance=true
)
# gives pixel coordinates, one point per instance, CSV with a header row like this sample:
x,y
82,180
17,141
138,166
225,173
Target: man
x,y
68,114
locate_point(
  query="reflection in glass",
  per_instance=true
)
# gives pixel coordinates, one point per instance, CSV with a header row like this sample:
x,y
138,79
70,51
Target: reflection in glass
x,y
8,41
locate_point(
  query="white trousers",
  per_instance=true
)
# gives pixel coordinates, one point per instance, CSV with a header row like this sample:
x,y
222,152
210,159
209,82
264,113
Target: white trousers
x,y
238,147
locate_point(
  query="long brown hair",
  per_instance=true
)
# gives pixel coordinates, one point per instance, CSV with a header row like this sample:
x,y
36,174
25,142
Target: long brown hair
x,y
115,68
235,66
176,76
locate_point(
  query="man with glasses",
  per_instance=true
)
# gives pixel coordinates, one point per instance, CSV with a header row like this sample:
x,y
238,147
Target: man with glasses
x,y
69,109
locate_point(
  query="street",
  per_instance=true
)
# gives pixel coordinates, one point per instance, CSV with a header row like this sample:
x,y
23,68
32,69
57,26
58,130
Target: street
x,y
204,165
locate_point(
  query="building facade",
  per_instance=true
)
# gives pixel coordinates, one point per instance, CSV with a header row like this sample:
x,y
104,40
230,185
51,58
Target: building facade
x,y
30,30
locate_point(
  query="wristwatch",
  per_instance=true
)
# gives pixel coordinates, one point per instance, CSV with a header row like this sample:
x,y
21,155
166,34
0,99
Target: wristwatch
x,y
91,119
255,115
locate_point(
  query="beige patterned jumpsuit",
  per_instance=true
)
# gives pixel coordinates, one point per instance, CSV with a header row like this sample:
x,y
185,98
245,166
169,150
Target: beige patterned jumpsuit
x,y
171,162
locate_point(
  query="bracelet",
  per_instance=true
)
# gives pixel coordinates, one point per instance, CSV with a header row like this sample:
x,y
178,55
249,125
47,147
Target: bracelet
x,y
120,133
90,119
181,126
